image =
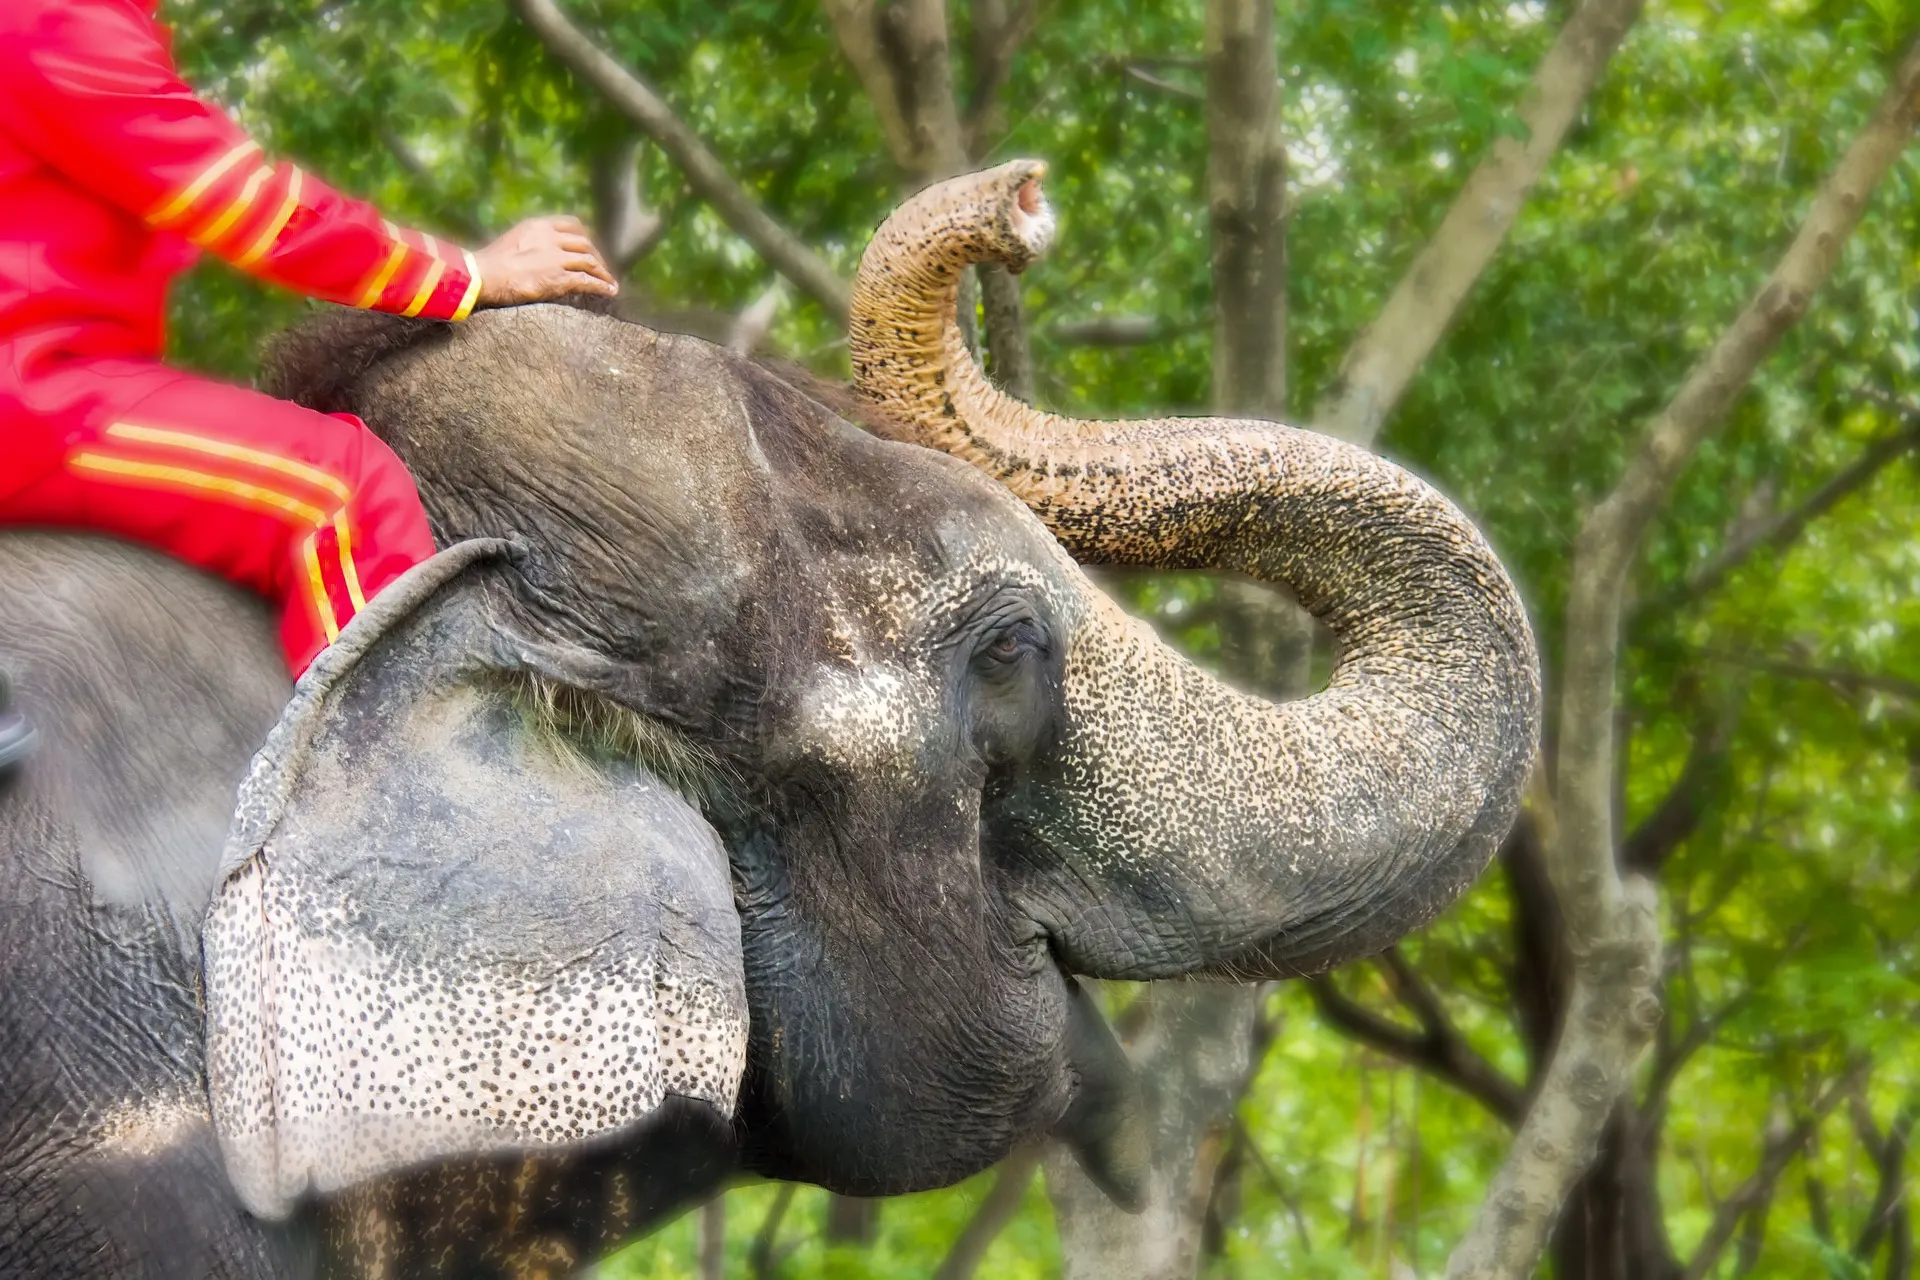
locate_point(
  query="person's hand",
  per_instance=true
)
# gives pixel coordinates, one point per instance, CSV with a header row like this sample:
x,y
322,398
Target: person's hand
x,y
541,259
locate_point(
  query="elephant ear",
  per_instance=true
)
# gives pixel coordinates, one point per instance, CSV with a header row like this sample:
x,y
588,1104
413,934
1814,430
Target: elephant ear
x,y
441,932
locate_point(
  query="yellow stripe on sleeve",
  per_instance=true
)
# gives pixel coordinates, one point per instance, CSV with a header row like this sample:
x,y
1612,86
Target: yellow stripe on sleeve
x,y
172,210
234,212
258,249
473,289
347,571
427,286
370,296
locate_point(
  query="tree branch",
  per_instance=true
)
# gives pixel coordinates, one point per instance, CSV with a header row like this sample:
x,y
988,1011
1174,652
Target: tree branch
x,y
899,53
751,327
993,1215
1117,331
1648,845
628,231
459,221
1164,85
1889,1152
1839,678
706,175
761,1257
1437,1048
997,34
1280,1188
1782,529
1612,930
1778,1152
1387,353
713,1238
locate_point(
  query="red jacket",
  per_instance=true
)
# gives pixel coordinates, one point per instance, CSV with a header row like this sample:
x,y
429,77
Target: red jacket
x,y
113,176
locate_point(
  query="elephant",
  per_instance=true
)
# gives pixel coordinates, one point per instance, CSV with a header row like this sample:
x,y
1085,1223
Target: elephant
x,y
747,787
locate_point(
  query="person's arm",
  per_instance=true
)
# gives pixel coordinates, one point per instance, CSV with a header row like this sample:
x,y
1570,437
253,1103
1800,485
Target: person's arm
x,y
91,89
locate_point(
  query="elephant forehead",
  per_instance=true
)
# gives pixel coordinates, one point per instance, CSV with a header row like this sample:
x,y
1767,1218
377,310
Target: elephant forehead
x,y
902,601
870,718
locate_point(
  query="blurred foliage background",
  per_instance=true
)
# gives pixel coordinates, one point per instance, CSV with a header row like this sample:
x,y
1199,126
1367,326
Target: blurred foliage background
x,y
1778,703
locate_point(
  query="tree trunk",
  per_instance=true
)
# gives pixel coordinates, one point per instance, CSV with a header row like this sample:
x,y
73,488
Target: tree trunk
x,y
713,1238
1612,1227
1247,196
1611,929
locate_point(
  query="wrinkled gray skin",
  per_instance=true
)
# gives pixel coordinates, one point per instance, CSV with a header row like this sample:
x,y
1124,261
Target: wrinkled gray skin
x,y
871,646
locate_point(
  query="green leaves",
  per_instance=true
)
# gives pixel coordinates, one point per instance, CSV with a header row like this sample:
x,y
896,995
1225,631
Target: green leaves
x,y
1790,907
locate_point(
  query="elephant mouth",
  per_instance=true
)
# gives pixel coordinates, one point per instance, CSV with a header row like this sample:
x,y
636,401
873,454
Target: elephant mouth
x,y
1030,217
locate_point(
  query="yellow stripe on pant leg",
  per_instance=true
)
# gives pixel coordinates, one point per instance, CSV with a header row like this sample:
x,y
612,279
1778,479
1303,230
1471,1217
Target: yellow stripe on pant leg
x,y
183,479
322,605
233,452
347,571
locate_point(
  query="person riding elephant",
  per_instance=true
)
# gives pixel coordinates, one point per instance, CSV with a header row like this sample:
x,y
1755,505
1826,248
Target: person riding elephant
x,y
113,176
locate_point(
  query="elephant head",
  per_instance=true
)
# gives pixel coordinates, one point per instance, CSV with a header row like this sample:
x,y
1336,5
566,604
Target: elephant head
x,y
940,772
1173,825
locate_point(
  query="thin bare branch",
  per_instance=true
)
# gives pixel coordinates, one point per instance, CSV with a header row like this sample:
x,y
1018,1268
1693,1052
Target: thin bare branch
x,y
1611,922
1783,529
1889,1152
750,329
1839,678
1647,846
1436,1048
1273,1180
457,220
991,1218
627,229
1136,72
1387,353
1778,1152
706,175
764,1256
1116,331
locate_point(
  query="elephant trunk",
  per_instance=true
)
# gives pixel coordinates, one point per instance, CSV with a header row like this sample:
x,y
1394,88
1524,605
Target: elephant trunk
x,y
1179,825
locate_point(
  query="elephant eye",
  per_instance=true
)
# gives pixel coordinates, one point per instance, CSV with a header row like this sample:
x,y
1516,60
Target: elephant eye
x,y
1006,648
1015,642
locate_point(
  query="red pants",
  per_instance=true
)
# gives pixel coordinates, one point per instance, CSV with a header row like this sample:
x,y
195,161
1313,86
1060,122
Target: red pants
x,y
309,510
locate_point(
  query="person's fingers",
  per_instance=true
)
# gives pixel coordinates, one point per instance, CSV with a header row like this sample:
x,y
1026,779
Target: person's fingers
x,y
590,263
577,244
581,282
567,224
